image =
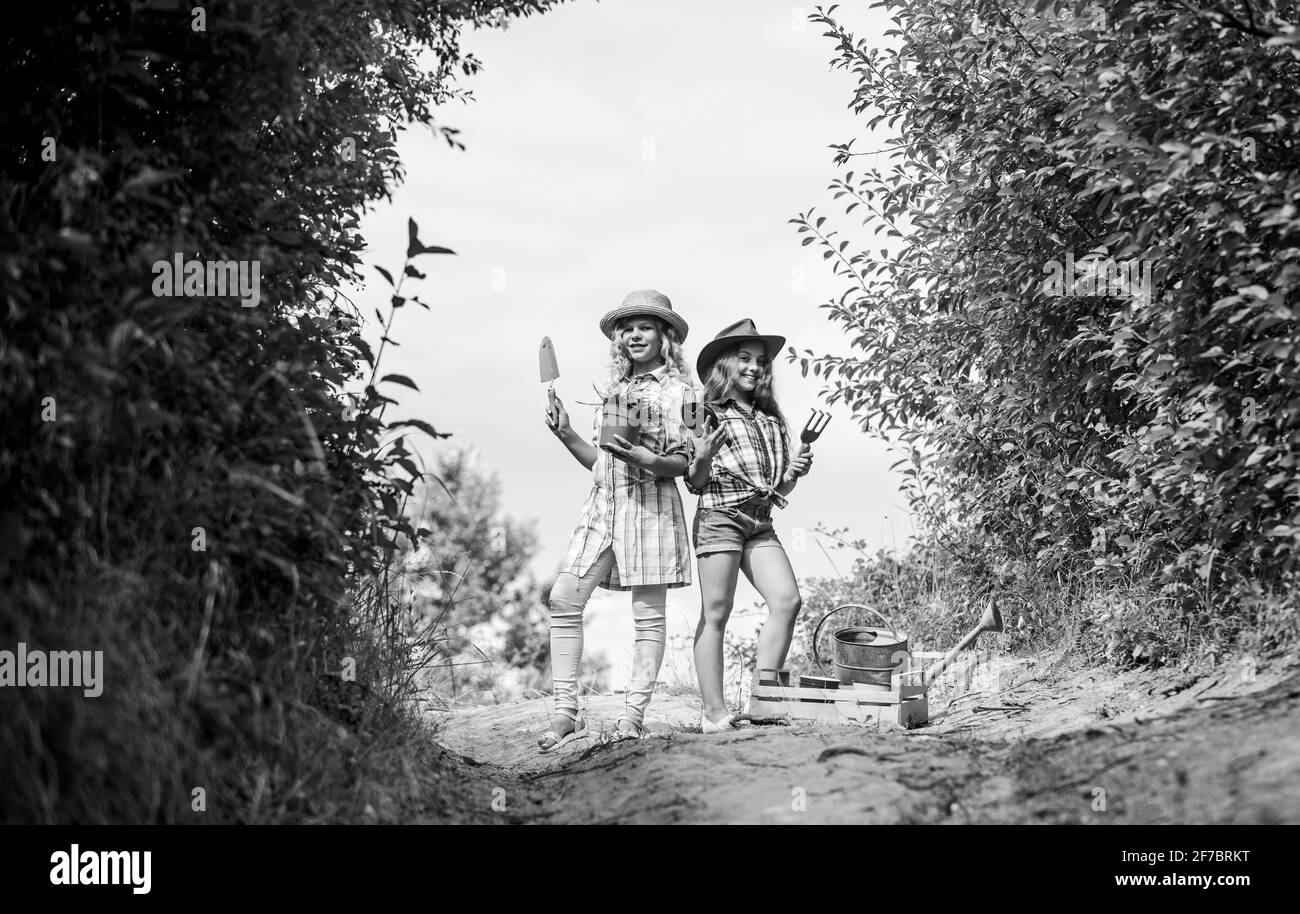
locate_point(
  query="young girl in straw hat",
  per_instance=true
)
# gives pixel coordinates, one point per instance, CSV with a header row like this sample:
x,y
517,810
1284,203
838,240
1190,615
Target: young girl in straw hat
x,y
741,470
631,534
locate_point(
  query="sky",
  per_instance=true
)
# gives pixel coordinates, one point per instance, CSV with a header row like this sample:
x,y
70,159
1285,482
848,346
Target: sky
x,y
614,146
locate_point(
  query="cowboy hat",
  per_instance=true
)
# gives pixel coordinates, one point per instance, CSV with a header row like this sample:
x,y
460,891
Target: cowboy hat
x,y
742,331
648,302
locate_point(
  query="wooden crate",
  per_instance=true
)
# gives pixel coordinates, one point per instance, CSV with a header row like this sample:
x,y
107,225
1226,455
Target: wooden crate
x,y
903,704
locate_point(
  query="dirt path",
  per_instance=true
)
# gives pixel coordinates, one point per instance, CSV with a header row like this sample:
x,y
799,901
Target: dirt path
x,y
1053,745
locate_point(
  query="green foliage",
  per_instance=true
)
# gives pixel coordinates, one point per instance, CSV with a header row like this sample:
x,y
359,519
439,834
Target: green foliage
x,y
1093,433
129,420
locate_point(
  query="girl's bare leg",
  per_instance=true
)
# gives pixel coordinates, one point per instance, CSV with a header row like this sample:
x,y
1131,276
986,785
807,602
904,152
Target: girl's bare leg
x,y
718,573
768,569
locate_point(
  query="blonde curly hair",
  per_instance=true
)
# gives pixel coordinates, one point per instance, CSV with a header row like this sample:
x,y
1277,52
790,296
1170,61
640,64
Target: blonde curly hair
x,y
620,360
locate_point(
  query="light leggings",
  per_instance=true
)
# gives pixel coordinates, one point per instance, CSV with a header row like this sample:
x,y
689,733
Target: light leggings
x,y
569,597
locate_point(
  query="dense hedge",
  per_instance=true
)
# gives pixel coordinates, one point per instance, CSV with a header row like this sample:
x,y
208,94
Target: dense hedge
x,y
182,483
1080,428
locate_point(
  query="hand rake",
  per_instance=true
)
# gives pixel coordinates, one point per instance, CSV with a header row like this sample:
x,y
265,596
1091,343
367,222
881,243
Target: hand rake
x,y
813,428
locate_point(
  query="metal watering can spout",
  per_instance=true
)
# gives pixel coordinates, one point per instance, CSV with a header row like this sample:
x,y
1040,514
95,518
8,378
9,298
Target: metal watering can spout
x,y
991,621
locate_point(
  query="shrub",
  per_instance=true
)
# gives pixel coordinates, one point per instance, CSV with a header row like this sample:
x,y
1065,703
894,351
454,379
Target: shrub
x,y
1081,429
182,482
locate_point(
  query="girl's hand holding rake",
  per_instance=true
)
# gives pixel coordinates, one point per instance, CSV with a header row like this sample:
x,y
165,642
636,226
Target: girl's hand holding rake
x,y
799,466
802,462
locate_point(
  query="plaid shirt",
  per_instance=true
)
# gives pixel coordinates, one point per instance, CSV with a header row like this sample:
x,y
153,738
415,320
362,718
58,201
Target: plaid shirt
x,y
752,462
637,513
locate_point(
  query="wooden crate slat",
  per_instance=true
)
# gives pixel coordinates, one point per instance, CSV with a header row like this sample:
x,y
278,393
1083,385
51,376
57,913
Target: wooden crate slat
x,y
859,696
845,712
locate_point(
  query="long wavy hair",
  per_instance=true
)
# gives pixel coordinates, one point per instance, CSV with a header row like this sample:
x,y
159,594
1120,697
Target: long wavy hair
x,y
723,374
620,360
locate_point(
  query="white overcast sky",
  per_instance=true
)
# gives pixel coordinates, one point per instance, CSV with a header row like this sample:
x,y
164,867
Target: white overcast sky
x,y
622,145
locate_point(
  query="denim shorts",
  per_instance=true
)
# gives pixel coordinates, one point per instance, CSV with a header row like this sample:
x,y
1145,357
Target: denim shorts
x,y
738,528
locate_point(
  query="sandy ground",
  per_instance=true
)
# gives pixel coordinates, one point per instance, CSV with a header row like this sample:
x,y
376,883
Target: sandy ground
x,y
1043,743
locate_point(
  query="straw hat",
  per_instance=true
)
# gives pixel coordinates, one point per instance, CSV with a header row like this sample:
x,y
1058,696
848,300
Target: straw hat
x,y
648,302
742,331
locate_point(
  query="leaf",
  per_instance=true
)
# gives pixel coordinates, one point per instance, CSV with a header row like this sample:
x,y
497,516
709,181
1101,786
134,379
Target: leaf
x,y
384,273
413,241
424,427
414,248
366,352
399,379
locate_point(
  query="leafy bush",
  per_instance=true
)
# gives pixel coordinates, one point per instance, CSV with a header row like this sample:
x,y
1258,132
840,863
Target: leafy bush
x,y
182,482
1082,430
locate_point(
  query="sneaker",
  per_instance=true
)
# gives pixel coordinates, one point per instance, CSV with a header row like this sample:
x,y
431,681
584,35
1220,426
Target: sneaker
x,y
708,726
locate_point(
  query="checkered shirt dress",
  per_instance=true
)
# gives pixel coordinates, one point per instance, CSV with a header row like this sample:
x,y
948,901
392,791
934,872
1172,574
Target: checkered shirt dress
x,y
638,514
752,462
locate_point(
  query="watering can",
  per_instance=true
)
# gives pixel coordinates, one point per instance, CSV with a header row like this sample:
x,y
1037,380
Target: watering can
x,y
866,655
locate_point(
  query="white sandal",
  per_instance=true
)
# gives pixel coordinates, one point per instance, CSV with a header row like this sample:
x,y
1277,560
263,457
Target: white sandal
x,y
708,726
556,740
619,735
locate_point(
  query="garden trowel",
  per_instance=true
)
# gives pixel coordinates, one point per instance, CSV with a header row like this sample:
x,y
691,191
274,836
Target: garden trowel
x,y
550,371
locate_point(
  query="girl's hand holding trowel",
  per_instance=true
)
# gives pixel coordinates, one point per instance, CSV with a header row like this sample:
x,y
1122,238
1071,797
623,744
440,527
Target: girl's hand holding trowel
x,y
557,420
557,417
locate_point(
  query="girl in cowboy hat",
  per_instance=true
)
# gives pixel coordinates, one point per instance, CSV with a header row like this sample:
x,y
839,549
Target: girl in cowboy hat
x,y
631,534
741,469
